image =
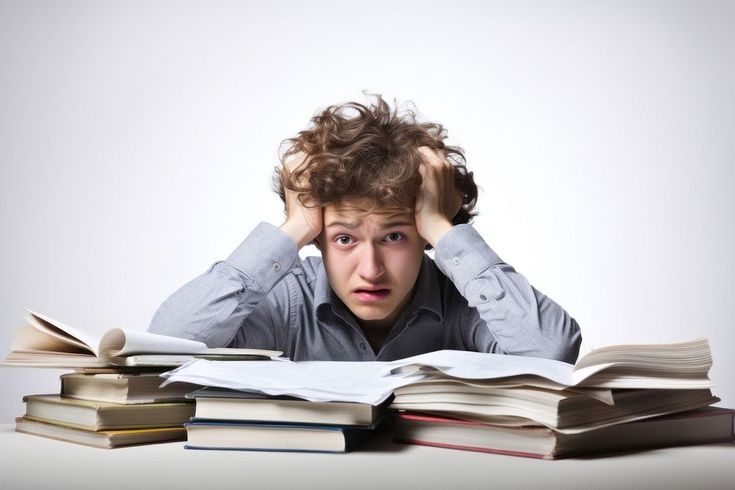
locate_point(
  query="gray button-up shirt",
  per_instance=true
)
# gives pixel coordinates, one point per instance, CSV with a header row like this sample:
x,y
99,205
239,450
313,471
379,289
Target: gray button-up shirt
x,y
264,296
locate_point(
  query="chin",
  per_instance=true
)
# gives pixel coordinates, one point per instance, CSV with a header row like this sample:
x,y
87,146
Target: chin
x,y
371,314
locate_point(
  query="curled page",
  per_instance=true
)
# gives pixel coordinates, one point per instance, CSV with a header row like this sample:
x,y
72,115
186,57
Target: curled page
x,y
479,365
121,342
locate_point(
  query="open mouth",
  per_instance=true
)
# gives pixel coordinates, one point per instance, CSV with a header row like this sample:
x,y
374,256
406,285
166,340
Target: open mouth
x,y
371,294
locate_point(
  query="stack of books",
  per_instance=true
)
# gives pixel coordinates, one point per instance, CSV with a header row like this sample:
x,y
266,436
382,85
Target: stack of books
x,y
240,420
617,398
109,409
614,398
114,398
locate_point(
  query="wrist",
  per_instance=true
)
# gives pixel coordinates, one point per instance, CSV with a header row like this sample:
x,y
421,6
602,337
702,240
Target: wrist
x,y
435,230
302,235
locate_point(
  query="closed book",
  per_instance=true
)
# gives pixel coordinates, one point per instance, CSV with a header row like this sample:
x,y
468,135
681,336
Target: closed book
x,y
92,415
247,436
221,404
105,439
707,425
123,388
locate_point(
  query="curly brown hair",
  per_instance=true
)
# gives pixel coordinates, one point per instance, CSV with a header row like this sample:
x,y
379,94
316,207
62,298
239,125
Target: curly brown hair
x,y
369,152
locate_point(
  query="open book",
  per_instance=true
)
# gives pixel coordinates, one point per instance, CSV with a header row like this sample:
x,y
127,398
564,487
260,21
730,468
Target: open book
x,y
679,366
45,342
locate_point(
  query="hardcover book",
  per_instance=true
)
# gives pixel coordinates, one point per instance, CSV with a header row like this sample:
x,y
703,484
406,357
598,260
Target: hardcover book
x,y
92,415
221,404
105,439
246,436
124,388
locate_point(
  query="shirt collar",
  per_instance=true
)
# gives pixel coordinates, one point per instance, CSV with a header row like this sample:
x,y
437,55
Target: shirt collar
x,y
426,293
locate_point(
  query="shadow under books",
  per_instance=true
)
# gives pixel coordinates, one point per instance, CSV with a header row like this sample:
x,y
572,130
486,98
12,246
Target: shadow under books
x,y
633,452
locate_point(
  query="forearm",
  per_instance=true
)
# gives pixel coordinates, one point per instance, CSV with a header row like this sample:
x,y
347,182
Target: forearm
x,y
519,319
212,307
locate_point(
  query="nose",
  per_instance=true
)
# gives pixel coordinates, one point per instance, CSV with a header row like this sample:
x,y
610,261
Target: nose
x,y
371,266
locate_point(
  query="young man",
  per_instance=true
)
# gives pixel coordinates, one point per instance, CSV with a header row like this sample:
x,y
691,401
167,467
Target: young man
x,y
372,188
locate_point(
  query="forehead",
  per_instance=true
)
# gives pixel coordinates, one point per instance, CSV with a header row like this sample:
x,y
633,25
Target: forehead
x,y
356,212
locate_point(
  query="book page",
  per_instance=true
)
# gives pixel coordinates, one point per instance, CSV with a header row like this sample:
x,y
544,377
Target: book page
x,y
29,338
364,382
122,342
480,365
693,356
319,381
62,332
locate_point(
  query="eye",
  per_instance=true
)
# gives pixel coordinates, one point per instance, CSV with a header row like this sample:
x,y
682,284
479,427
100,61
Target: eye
x,y
394,237
343,239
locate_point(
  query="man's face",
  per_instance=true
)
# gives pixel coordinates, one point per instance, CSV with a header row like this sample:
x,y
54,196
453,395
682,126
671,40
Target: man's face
x,y
372,259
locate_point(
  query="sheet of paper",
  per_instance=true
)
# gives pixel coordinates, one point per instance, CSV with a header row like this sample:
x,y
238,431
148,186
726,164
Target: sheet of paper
x,y
479,365
365,382
362,382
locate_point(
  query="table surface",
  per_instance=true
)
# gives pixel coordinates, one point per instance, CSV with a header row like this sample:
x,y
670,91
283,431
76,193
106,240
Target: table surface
x,y
35,462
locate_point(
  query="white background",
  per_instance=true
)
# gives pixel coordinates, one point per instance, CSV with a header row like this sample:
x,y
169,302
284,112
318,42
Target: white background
x,y
137,142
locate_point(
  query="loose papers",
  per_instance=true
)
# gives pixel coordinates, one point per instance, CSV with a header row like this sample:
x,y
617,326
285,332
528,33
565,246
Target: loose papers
x,y
373,382
318,381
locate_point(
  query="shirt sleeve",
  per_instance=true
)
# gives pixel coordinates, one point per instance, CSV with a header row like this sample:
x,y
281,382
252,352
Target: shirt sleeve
x,y
212,307
518,318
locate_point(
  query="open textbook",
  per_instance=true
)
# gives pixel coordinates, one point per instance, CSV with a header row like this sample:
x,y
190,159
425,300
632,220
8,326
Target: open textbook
x,y
682,365
45,342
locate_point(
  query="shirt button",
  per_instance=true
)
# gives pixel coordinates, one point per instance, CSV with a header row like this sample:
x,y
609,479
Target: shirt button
x,y
483,297
276,266
362,345
455,260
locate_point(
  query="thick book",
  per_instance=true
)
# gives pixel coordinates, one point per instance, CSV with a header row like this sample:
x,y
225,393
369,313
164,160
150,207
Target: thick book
x,y
244,436
220,404
127,388
45,342
92,415
708,425
106,439
680,365
564,409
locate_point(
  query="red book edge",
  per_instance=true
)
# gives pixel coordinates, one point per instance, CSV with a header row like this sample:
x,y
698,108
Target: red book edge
x,y
703,412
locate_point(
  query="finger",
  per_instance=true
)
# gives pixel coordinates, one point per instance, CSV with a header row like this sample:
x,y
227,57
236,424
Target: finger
x,y
428,178
431,157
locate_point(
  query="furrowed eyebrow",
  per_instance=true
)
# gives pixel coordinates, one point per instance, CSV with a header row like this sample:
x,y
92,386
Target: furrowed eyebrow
x,y
396,224
344,224
353,225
